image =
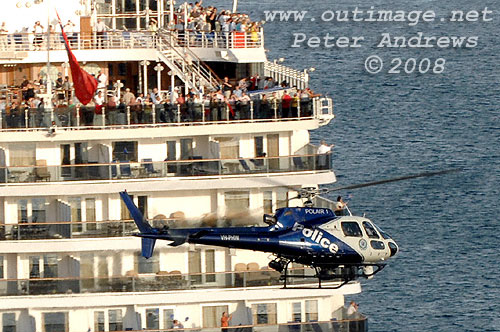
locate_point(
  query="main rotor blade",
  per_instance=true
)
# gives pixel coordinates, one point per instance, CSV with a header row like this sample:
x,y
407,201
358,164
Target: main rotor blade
x,y
399,178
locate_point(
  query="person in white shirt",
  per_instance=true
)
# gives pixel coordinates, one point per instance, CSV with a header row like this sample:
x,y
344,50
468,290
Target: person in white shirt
x,y
324,154
100,29
353,308
38,30
101,80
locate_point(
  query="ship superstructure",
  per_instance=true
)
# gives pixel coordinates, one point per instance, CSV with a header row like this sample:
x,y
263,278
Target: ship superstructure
x,y
67,260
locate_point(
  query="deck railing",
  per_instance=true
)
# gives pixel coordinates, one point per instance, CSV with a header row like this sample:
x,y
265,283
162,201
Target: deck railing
x,y
257,110
146,169
354,323
151,282
120,39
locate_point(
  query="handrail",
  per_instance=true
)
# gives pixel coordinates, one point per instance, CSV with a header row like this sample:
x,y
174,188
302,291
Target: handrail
x,y
114,39
141,116
196,167
191,53
159,281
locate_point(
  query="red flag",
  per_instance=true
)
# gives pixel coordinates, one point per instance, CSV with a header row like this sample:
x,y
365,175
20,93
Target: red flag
x,y
85,84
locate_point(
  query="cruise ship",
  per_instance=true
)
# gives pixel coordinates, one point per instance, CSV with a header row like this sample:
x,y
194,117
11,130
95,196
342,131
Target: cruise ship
x,y
68,262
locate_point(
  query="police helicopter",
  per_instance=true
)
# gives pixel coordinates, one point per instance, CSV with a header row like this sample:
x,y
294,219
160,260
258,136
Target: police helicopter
x,y
338,247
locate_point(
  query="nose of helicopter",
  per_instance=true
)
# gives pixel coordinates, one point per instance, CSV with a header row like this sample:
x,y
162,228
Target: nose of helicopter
x,y
394,248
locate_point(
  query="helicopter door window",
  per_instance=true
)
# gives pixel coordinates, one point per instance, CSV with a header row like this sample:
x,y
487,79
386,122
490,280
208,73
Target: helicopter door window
x,y
377,245
370,230
351,228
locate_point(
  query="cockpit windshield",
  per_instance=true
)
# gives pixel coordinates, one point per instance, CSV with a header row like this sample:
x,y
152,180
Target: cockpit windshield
x,y
370,231
384,234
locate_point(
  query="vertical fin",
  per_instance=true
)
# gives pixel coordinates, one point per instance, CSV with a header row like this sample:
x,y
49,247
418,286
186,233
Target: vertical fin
x,y
148,245
141,223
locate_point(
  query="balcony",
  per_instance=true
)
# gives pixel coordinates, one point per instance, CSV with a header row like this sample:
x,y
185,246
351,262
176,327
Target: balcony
x,y
160,281
18,43
154,116
353,323
146,169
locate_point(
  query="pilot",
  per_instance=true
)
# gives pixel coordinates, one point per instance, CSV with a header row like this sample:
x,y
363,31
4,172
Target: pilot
x,y
340,206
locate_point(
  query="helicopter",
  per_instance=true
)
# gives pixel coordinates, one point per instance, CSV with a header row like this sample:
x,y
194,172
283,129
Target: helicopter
x,y
338,246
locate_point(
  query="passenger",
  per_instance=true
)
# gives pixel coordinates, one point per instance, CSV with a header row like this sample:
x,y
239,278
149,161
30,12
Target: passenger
x,y
340,206
353,308
224,321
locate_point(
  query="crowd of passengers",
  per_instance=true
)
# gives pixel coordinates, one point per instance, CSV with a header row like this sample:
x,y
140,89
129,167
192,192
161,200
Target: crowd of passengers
x,y
247,98
187,16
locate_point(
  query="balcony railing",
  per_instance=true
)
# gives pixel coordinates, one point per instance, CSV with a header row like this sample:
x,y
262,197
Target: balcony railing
x,y
160,281
354,323
196,167
67,230
22,42
21,119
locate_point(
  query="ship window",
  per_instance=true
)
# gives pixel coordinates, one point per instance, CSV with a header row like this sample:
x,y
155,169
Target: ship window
x,y
281,199
150,265
259,146
99,321
153,319
38,210
55,322
1,267
351,228
194,265
115,320
264,313
268,202
311,310
297,311
237,202
229,147
50,266
8,322
168,318
378,245
210,265
34,266
370,231
212,315
22,154
125,151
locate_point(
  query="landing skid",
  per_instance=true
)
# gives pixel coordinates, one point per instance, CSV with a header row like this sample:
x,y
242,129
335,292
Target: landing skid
x,y
349,272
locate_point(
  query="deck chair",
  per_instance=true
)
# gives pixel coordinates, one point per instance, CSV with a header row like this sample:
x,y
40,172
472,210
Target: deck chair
x,y
244,164
297,161
125,170
41,171
147,164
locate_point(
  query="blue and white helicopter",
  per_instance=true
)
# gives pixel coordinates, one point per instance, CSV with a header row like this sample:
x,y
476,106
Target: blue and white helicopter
x,y
337,247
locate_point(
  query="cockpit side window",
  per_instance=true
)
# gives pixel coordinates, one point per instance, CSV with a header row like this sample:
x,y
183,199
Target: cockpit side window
x,y
351,228
370,230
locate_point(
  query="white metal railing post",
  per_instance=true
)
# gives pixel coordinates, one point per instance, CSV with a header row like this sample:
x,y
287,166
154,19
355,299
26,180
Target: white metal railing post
x,y
251,109
103,115
153,113
178,113
78,116
298,107
26,118
128,115
1,119
275,109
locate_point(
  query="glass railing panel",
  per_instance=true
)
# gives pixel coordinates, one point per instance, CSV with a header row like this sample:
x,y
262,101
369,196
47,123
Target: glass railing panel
x,y
66,230
101,117
197,166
